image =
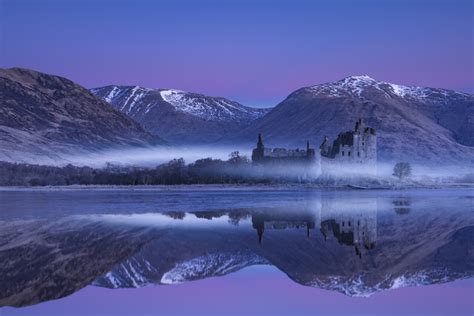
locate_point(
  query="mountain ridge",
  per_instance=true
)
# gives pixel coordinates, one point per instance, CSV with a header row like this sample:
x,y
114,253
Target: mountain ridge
x,y
413,123
47,116
179,116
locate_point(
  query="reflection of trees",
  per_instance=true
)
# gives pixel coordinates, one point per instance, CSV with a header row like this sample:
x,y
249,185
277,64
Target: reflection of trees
x,y
401,206
210,214
175,215
236,216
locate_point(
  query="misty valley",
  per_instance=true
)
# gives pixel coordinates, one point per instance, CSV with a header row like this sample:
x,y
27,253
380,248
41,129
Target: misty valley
x,y
239,157
347,193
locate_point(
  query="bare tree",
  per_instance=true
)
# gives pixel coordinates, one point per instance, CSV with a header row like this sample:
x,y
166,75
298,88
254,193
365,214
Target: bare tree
x,y
402,170
236,158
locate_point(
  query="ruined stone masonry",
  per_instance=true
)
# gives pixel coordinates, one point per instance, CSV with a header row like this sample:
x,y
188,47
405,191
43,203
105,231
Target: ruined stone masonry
x,y
350,148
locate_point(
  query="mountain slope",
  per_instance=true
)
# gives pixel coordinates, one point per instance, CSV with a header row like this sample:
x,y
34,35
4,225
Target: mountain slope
x,y
47,116
180,117
418,124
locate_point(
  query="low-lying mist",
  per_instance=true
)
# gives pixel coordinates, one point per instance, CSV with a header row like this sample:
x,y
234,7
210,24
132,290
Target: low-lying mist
x,y
152,157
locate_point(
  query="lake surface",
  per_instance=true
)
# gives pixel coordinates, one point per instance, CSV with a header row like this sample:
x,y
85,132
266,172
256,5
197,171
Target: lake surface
x,y
236,251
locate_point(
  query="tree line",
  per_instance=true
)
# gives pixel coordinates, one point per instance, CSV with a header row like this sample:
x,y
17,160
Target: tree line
x,y
237,169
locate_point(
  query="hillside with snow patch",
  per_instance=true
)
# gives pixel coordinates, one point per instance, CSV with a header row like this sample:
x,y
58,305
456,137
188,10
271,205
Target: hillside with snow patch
x,y
413,123
180,117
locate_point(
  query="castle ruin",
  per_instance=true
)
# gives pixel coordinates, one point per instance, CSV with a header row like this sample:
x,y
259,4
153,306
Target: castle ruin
x,y
357,147
262,154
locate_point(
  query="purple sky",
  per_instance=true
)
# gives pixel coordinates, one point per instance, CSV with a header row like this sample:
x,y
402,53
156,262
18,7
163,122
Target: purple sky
x,y
255,52
256,291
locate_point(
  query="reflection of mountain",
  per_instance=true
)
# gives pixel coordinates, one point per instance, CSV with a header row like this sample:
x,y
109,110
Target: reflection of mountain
x,y
43,261
311,259
424,246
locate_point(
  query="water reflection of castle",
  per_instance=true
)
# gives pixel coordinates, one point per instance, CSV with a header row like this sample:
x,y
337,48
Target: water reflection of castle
x,y
351,223
263,221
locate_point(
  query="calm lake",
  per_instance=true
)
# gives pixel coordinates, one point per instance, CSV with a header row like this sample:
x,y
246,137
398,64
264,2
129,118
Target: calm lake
x,y
236,251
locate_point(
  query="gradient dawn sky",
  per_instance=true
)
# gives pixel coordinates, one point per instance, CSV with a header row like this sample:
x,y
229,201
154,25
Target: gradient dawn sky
x,y
255,52
258,290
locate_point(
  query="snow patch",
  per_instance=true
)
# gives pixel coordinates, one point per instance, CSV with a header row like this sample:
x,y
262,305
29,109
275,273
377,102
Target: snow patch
x,y
209,265
134,97
355,86
111,94
399,90
112,279
131,101
209,108
356,286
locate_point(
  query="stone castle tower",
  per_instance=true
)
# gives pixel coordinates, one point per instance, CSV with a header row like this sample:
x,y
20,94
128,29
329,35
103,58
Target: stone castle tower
x,y
352,147
258,152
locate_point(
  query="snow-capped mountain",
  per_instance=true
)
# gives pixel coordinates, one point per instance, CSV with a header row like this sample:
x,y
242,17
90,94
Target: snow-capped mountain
x,y
356,86
412,123
44,117
180,117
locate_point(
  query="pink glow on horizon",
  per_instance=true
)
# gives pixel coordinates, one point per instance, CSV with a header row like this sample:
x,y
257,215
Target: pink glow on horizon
x,y
257,291
252,52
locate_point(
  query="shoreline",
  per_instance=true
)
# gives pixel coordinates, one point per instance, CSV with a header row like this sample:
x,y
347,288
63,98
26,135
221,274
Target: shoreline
x,y
233,187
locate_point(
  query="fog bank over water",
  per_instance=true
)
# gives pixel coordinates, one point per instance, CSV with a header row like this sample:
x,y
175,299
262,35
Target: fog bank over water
x,y
153,156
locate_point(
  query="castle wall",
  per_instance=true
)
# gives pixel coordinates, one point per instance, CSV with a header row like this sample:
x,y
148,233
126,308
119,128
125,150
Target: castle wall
x,y
363,150
262,154
351,153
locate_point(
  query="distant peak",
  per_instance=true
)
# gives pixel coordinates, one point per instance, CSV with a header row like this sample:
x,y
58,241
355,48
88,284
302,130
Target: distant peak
x,y
171,91
360,77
